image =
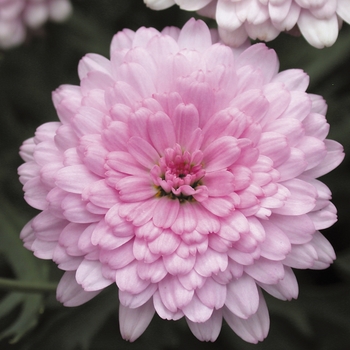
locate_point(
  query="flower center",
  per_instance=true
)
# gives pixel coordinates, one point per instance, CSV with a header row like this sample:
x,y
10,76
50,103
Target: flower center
x,y
178,174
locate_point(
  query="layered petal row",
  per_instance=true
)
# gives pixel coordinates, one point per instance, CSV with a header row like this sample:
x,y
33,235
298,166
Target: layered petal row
x,y
317,21
184,172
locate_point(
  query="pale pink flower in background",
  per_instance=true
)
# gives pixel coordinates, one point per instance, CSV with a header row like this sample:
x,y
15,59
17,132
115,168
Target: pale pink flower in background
x,y
317,20
184,172
16,16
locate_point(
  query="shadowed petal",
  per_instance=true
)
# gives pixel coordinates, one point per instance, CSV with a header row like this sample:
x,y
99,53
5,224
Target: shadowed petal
x,y
133,322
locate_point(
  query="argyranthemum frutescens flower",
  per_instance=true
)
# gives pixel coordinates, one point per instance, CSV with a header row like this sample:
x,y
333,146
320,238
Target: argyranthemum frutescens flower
x,y
17,15
184,172
317,20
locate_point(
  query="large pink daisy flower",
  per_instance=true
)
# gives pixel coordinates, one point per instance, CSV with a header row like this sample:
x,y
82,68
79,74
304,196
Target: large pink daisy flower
x,y
317,20
17,15
185,173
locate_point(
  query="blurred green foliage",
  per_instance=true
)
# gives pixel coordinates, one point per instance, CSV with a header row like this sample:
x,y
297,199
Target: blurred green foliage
x,y
318,320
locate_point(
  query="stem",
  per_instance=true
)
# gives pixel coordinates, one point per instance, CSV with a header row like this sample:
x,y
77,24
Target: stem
x,y
26,286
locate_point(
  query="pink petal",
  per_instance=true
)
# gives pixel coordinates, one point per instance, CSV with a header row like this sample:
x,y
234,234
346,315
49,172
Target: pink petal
x,y
195,35
138,77
134,301
89,276
301,200
176,265
196,311
208,330
143,152
69,238
276,245
265,271
45,151
102,195
324,218
293,79
161,131
164,244
324,249
119,257
163,311
133,322
260,56
192,280
301,256
253,329
135,189
93,62
299,106
67,100
210,262
75,178
173,294
128,280
141,251
219,206
48,227
286,289
242,296
207,222
104,237
70,293
293,166
185,119
316,125
153,272
221,153
299,229
219,183
165,212
74,210
35,193
186,220
125,163
212,294
253,103
334,157
200,94
148,231
139,213
274,146
122,39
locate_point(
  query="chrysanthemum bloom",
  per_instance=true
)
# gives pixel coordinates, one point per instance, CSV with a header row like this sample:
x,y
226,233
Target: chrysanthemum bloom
x,y
317,20
184,172
18,15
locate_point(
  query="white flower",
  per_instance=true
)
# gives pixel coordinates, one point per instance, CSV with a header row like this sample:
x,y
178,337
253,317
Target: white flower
x,y
317,20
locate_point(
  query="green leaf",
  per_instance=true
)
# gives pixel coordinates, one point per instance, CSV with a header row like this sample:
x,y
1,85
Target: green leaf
x,y
26,268
74,328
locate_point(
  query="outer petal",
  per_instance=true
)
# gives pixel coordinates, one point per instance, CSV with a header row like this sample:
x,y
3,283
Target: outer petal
x,y
318,32
133,322
208,330
253,329
70,293
242,297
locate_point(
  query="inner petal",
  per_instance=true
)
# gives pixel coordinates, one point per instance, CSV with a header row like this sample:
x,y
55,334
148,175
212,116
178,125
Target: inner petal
x,y
178,173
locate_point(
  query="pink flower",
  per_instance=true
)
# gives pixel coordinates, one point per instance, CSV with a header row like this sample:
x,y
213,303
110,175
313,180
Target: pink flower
x,y
184,172
317,20
17,15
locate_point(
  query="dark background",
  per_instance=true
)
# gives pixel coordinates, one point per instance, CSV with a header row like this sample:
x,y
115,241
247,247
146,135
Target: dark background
x,y
318,320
